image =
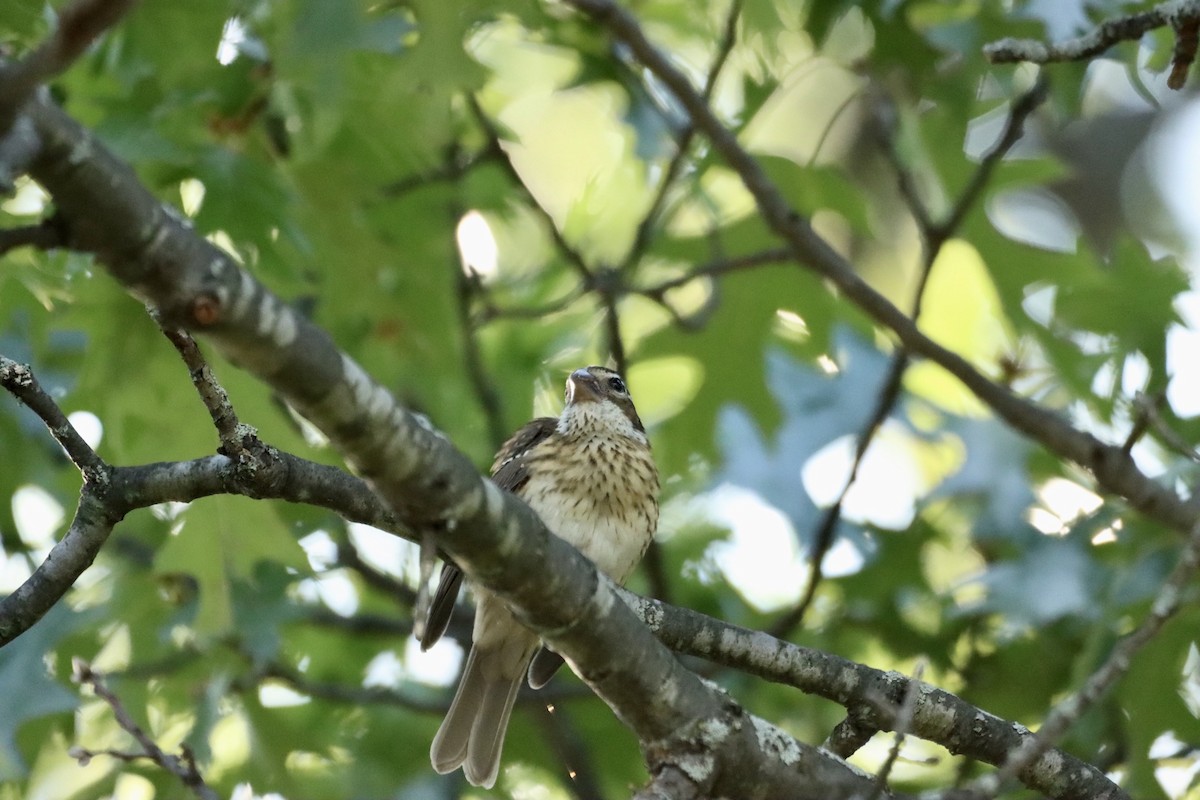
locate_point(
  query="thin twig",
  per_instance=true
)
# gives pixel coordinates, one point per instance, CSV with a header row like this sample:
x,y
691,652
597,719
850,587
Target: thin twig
x,y
641,239
453,169
612,326
1187,37
467,288
364,696
79,25
490,311
1147,415
573,256
1014,128
934,235
212,394
348,556
1068,711
903,722
45,235
182,766
1096,41
1145,406
723,266
19,380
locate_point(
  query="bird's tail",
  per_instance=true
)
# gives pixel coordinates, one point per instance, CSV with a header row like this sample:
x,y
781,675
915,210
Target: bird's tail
x,y
472,734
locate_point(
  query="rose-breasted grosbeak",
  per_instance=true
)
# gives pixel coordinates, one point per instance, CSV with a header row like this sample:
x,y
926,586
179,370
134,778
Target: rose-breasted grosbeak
x,y
591,478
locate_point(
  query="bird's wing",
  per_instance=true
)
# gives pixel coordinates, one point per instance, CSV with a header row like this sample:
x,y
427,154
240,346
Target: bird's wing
x,y
509,472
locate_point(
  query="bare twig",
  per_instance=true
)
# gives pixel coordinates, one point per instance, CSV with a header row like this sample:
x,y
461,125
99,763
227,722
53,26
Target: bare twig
x,y
903,721
79,25
1184,17
573,257
1146,407
348,556
1148,416
609,290
18,379
182,766
723,266
1068,711
345,693
212,394
45,235
641,239
454,168
468,287
1187,37
358,695
490,311
1014,128
934,235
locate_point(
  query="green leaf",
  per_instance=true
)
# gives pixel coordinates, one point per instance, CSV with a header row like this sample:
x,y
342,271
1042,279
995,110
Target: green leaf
x,y
816,408
221,542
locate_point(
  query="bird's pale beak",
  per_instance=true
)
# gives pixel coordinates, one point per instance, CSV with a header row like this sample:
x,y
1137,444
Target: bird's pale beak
x,y
582,387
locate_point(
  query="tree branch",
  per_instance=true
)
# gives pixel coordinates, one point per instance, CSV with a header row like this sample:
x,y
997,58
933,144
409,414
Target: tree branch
x,y
109,493
212,394
493,536
45,235
454,168
182,766
641,239
723,266
1182,16
933,236
79,25
1068,711
874,698
1019,112
1115,473
19,380
573,257
467,287
352,695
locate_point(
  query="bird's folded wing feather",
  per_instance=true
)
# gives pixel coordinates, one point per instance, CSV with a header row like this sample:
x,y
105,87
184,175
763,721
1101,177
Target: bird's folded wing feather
x,y
509,472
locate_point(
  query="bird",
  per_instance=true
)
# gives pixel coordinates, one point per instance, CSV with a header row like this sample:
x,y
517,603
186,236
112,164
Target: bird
x,y
590,476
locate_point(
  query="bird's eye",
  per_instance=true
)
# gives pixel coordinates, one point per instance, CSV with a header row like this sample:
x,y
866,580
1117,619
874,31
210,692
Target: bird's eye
x,y
616,384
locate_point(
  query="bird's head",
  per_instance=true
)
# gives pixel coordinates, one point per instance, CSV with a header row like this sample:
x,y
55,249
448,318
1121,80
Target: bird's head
x,y
597,398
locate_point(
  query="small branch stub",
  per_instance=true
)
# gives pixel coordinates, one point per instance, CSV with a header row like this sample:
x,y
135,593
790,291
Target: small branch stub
x,y
206,310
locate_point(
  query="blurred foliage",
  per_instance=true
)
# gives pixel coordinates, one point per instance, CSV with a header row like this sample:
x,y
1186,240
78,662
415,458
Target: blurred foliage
x,y
334,147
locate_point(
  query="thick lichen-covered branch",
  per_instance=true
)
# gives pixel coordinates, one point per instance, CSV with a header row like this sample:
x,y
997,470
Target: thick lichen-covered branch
x,y
429,484
874,697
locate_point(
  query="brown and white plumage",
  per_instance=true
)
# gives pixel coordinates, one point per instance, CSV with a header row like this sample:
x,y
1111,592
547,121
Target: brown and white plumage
x,y
590,476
